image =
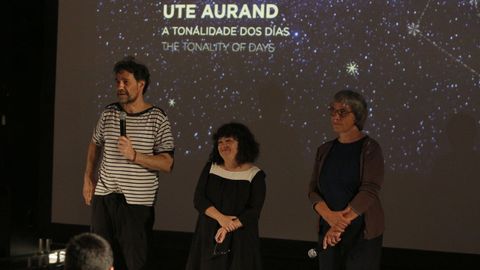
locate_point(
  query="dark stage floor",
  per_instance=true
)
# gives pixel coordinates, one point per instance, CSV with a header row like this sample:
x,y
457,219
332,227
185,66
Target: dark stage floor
x,y
171,251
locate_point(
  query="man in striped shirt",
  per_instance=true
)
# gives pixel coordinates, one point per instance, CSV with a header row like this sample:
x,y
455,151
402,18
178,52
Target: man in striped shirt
x,y
123,193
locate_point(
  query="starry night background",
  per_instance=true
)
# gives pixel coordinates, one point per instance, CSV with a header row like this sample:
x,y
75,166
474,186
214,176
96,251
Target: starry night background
x,y
416,62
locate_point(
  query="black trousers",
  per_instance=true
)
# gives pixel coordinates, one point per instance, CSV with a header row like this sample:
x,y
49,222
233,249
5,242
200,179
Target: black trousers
x,y
126,227
353,252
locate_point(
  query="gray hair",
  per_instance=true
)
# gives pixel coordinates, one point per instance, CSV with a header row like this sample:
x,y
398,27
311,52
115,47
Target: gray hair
x,y
88,251
357,104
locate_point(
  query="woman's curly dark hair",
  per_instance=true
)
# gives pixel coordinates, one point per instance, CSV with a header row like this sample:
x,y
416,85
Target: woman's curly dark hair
x,y
248,148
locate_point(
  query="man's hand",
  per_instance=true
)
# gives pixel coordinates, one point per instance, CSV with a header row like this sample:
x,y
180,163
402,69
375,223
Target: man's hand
x,y
126,149
88,188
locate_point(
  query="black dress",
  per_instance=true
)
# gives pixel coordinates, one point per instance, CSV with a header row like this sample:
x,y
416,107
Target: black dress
x,y
239,194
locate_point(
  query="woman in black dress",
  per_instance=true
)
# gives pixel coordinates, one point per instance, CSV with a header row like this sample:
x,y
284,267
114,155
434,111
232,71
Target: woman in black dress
x,y
344,190
229,197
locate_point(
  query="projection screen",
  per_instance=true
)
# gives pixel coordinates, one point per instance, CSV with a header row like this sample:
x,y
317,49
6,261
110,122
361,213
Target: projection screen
x,y
274,65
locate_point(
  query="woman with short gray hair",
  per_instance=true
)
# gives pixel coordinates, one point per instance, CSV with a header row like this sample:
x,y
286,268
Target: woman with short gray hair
x,y
344,189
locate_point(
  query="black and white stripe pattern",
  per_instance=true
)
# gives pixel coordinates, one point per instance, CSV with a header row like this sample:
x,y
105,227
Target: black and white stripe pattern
x,y
150,134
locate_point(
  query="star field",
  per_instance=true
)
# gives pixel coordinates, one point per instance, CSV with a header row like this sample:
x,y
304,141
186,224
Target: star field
x,y
416,62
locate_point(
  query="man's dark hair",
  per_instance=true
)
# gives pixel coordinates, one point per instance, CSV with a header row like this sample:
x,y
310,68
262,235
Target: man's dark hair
x,y
357,104
88,251
139,70
248,148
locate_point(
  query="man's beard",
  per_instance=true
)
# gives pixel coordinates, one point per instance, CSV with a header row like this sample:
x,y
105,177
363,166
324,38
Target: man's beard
x,y
125,98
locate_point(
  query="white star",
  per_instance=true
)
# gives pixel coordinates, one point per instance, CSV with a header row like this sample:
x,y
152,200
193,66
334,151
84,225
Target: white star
x,y
474,3
413,29
171,102
352,68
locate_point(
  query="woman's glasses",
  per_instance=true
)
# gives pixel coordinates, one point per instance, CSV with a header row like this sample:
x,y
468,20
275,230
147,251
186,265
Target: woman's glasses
x,y
342,113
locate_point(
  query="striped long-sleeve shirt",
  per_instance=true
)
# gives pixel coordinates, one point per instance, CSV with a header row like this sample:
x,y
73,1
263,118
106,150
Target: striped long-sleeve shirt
x,y
150,134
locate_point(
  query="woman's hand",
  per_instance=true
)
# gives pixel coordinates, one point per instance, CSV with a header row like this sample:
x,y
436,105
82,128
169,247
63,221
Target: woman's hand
x,y
333,218
232,225
220,235
337,219
332,237
349,213
226,221
235,225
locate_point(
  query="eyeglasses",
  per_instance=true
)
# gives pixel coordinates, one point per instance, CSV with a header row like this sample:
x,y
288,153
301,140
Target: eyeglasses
x,y
218,250
342,113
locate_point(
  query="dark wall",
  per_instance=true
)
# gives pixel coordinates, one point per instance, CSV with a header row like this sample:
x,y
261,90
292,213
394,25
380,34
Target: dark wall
x,y
27,91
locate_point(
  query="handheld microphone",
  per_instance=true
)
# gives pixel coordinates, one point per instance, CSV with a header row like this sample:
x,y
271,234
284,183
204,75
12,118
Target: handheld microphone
x,y
123,124
312,253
